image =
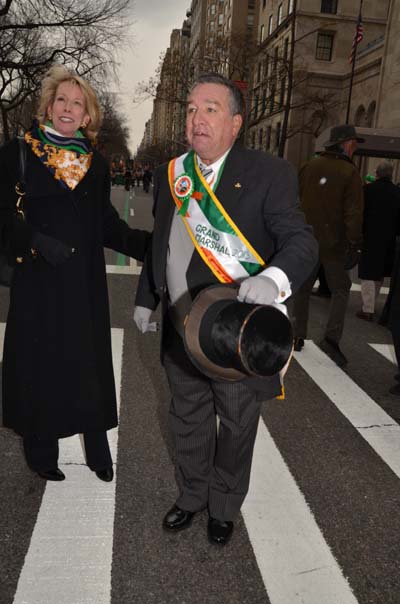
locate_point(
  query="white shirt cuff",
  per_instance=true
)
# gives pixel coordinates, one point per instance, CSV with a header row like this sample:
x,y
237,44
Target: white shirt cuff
x,y
280,279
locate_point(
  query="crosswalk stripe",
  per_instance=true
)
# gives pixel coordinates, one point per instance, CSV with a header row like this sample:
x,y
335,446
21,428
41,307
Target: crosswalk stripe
x,y
132,269
295,561
70,554
386,350
369,419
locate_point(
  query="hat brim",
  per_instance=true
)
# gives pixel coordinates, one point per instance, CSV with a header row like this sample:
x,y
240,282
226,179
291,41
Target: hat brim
x,y
343,140
193,321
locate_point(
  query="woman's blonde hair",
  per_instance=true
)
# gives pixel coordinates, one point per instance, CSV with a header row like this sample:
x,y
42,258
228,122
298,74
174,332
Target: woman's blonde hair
x,y
55,76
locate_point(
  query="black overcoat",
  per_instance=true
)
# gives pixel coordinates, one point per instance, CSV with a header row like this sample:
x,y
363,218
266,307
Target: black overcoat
x,y
381,216
57,366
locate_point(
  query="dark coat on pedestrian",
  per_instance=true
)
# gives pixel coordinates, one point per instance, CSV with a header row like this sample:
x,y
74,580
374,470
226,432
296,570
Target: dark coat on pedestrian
x,y
381,216
331,197
57,366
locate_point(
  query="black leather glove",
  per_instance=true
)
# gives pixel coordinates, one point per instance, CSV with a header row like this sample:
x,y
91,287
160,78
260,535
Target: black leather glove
x,y
53,251
352,257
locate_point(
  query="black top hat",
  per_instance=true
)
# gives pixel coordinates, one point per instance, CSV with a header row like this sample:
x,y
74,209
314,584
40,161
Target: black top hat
x,y
341,134
230,340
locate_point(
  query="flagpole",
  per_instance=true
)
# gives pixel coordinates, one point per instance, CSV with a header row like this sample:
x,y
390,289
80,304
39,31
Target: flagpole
x,y
353,65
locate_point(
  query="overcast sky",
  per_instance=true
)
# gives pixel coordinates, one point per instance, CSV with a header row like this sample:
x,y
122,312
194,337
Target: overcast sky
x,y
154,21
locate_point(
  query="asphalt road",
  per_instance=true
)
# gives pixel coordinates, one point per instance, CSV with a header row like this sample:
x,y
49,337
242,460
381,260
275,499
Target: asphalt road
x,y
321,524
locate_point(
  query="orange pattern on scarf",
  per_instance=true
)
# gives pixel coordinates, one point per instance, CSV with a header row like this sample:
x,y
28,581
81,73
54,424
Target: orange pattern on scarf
x,y
63,163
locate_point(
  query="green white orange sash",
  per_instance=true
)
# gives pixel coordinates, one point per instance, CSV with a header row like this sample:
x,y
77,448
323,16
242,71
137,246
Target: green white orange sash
x,y
216,237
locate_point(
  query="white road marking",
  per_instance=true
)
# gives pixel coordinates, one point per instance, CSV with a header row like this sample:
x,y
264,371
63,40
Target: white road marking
x,y
356,287
386,350
295,561
132,269
375,426
70,554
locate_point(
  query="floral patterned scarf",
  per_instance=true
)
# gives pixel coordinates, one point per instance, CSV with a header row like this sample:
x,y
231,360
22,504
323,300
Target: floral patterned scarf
x,y
67,158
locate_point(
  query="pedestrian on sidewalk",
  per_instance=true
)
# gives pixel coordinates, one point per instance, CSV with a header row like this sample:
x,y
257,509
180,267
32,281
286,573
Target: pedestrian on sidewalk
x,y
380,224
58,375
251,199
331,197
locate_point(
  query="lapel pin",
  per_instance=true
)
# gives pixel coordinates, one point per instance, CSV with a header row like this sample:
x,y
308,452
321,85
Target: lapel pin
x,y
238,185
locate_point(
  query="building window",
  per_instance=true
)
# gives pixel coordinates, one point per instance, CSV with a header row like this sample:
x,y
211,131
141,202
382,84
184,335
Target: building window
x,y
290,6
266,68
270,24
268,137
280,14
253,139
264,3
260,138
259,68
278,134
286,49
256,106
329,6
324,47
250,19
264,101
220,19
213,9
262,33
272,99
283,90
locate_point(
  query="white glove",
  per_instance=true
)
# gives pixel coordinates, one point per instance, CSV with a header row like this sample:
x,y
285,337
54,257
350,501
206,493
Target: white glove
x,y
258,290
141,316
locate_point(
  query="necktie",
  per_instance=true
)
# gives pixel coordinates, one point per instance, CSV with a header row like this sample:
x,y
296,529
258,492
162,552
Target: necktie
x,y
206,171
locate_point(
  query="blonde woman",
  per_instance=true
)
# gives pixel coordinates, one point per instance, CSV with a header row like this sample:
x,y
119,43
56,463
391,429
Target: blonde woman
x,y
57,365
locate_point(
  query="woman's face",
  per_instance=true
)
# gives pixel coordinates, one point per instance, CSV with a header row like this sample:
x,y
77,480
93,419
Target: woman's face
x,y
68,111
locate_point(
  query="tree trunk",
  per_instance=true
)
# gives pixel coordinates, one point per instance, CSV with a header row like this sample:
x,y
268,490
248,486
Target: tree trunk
x,y
4,119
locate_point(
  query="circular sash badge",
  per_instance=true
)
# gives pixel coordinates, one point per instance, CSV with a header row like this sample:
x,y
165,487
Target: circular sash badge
x,y
183,187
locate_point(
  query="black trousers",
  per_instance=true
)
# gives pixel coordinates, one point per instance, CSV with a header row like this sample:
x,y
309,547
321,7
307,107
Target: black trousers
x,y
41,454
213,465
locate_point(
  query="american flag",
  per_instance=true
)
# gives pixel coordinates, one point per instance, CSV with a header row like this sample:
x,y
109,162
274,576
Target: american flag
x,y
358,36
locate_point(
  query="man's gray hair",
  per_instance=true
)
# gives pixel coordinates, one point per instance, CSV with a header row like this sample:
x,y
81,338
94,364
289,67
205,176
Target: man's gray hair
x,y
384,169
236,100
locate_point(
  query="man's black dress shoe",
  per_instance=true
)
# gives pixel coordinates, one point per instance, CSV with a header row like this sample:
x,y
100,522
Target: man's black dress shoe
x,y
177,519
107,474
219,531
52,474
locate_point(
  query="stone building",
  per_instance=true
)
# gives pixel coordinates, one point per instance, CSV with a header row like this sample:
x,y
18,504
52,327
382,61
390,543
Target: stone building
x,y
306,45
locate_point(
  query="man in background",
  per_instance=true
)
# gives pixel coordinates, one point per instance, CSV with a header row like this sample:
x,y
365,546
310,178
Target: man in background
x,y
331,197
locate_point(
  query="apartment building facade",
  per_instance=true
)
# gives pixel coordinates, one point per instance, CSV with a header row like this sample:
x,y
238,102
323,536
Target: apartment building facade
x,y
301,75
291,58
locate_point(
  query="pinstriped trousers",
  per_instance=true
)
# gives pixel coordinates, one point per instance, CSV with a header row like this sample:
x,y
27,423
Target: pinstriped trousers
x,y
213,465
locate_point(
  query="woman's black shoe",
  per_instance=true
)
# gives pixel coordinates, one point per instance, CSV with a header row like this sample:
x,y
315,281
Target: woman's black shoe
x,y
107,474
52,474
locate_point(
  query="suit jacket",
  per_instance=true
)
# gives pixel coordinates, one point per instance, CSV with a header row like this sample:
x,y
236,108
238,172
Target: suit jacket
x,y
259,192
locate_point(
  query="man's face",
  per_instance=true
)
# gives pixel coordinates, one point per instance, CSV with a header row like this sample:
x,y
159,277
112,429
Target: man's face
x,y
211,129
350,146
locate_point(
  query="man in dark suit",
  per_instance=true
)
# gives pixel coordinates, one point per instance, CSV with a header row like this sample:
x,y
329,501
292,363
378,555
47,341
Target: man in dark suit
x,y
222,214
